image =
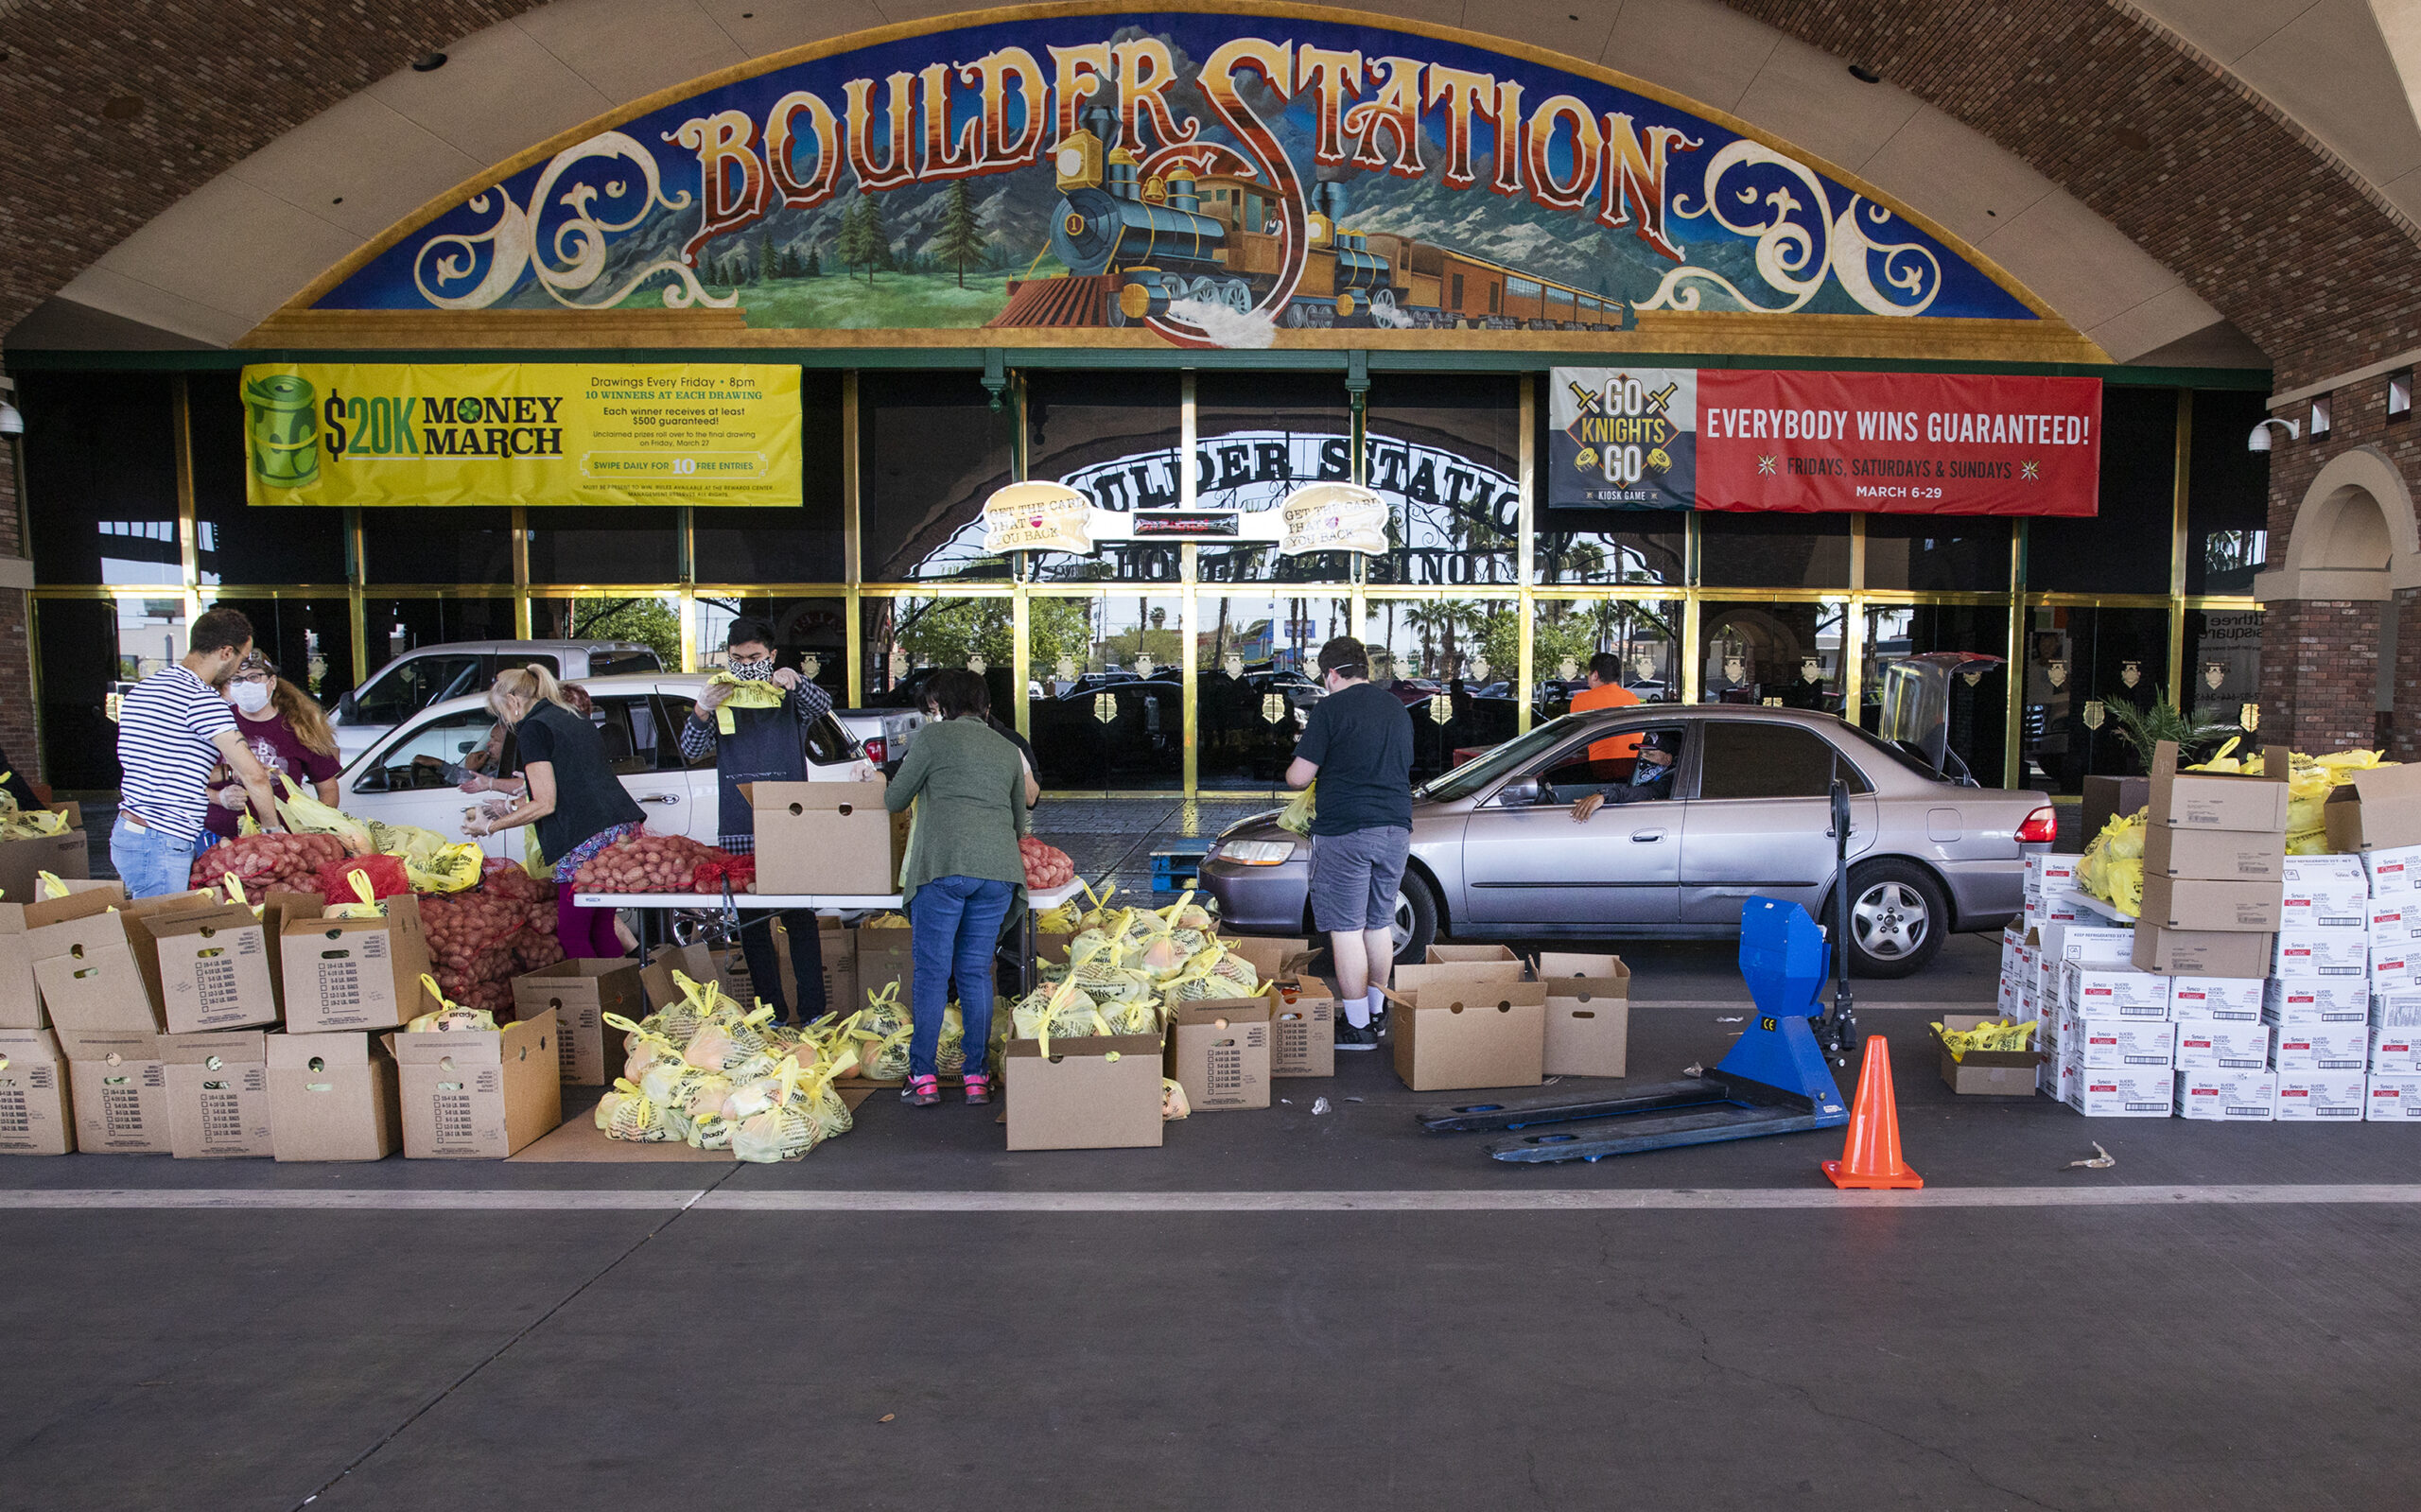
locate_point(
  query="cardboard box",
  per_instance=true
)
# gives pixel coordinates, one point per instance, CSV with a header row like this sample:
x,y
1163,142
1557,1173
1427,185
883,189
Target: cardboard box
x,y
218,1103
2187,903
2395,1052
2219,1044
2316,1000
477,1095
346,974
2105,798
1987,1073
2391,920
579,994
2058,1077
2392,869
826,837
2378,809
214,969
1271,955
2098,943
119,1090
2323,1046
2202,953
2302,954
2323,1097
66,856
1218,1051
2236,998
2215,855
1452,955
34,1114
2396,1010
2111,992
2230,1096
2394,967
838,945
20,992
1302,1026
2103,1044
85,964
695,962
2204,800
884,956
1588,1015
1411,981
333,1097
2325,892
2060,908
2125,1092
1100,1092
2051,872
2392,1099
1457,1033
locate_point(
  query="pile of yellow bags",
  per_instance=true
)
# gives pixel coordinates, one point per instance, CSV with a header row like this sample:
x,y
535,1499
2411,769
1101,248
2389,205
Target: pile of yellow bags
x,y
703,1071
2309,781
431,863
26,824
2006,1036
2112,867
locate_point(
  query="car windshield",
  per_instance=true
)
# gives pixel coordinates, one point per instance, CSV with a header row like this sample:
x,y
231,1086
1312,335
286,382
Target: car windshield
x,y
1495,762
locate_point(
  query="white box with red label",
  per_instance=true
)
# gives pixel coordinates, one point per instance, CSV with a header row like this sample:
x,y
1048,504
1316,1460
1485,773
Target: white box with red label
x,y
2303,954
2391,872
2323,1046
2109,1042
2222,1044
2316,1000
2325,892
2218,1096
2111,992
2124,1092
2323,1097
2230,998
2392,1099
2395,1052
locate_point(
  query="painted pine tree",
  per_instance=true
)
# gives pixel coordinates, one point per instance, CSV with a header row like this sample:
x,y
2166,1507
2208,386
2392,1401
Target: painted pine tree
x,y
851,247
961,241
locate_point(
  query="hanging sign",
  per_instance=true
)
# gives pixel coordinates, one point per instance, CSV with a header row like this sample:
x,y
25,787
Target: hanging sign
x,y
1334,517
533,434
1874,443
1038,518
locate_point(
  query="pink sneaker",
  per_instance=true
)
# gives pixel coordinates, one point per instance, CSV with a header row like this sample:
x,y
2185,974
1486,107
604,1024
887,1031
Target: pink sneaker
x,y
921,1091
979,1089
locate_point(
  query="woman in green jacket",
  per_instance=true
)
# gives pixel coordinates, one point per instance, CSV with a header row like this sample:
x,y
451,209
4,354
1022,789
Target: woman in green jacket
x,y
961,872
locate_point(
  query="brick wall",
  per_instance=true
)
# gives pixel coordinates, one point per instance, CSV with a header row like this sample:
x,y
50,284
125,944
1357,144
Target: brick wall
x,y
2320,668
16,646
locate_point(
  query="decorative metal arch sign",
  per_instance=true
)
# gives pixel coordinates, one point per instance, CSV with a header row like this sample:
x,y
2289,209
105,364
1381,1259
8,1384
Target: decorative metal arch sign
x,y
1213,178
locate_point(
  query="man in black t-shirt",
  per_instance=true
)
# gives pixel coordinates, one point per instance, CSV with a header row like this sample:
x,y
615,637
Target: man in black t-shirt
x,y
1358,744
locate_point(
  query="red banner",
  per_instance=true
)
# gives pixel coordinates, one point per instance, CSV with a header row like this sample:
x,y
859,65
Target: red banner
x,y
1898,443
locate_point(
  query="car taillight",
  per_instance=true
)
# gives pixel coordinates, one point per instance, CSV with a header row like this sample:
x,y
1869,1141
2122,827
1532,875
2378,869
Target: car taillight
x,y
2042,826
877,749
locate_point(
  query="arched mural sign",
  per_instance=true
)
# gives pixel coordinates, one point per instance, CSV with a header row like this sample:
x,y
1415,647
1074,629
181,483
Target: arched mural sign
x,y
1221,178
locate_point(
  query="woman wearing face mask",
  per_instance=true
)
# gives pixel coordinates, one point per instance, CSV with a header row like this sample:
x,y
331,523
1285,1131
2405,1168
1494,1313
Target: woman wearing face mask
x,y
577,804
285,732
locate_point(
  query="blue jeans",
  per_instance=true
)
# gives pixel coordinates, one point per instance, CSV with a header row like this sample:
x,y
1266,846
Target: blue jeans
x,y
954,929
149,862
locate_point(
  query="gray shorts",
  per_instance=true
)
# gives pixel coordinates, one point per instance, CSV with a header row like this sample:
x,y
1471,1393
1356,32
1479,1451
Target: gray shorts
x,y
1354,879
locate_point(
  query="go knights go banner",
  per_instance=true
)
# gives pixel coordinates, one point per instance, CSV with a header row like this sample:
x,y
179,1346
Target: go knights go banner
x,y
1877,443
513,433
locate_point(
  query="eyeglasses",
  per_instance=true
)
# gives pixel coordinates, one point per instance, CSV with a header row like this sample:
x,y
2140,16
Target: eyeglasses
x,y
254,677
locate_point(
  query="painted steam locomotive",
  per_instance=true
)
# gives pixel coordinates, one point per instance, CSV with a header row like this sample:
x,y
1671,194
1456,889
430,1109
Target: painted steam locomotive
x,y
1216,238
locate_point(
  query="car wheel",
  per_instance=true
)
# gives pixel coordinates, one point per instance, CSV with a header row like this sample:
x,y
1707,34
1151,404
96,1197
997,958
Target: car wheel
x,y
1416,920
1898,915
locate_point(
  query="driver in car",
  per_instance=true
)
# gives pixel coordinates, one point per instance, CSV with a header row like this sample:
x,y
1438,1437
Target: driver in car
x,y
1651,778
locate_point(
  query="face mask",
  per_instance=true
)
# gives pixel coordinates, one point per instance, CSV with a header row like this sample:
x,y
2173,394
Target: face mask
x,y
754,671
1648,772
249,697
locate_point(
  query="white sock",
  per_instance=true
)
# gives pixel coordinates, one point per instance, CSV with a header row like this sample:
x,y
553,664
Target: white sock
x,y
1376,1003
1357,1012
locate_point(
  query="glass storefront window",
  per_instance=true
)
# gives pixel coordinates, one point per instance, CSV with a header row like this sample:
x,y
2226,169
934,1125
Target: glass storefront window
x,y
1260,436
310,639
2228,494
932,449
1258,655
437,546
101,473
239,544
2125,547
394,626
1645,635
82,675
1978,701
652,619
1946,554
1781,653
1445,452
802,545
1741,551
1121,719
1113,437
2223,662
1612,546
636,544
2077,663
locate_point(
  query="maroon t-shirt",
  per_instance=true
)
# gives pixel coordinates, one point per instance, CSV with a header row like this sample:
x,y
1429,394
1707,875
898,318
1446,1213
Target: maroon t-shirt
x,y
274,746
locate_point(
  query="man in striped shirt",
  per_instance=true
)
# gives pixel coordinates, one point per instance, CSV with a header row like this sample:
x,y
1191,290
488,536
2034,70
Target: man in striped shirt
x,y
172,729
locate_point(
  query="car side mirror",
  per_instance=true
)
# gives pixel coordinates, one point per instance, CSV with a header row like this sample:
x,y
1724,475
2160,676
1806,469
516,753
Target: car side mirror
x,y
1518,794
348,705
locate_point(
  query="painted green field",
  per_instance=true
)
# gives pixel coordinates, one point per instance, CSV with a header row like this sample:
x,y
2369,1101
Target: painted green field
x,y
891,302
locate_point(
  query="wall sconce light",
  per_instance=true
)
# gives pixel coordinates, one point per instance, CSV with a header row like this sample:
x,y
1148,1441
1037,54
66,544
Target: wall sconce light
x,y
2259,440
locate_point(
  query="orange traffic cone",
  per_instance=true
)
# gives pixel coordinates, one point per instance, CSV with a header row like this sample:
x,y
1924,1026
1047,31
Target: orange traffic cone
x,y
1871,1160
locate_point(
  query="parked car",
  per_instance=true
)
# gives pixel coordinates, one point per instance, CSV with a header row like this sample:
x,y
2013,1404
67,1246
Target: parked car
x,y
1496,853
639,717
430,674
883,732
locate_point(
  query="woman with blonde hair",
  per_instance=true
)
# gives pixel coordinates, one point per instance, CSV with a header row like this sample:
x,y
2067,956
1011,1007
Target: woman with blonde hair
x,y
572,797
285,731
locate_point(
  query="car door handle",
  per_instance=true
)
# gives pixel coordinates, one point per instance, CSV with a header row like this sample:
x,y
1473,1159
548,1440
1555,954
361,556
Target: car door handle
x,y
1645,836
659,797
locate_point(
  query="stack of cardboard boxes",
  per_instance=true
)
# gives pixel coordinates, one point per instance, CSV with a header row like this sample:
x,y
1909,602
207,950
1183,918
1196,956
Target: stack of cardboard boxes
x,y
2375,823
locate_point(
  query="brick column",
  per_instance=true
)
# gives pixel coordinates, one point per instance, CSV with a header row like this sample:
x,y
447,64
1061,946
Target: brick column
x,y
16,645
2407,676
2320,661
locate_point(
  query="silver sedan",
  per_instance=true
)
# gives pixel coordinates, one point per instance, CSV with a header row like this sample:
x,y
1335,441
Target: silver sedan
x,y
1497,853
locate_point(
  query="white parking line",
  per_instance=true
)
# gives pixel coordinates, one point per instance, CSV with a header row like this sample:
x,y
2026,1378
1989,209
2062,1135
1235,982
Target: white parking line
x,y
1619,1200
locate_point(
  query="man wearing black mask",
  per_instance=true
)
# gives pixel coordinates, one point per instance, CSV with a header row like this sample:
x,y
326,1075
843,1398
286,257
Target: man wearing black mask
x,y
761,745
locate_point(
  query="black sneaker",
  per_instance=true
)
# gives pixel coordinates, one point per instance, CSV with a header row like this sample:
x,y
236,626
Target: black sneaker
x,y
1349,1037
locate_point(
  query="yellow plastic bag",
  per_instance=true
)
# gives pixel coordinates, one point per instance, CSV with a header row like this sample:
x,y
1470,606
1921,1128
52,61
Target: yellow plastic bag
x,y
744,695
449,1017
431,863
364,905
47,886
307,815
2008,1035
1296,818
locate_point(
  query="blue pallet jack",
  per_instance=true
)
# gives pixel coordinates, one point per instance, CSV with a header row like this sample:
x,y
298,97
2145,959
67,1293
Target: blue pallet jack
x,y
1777,1080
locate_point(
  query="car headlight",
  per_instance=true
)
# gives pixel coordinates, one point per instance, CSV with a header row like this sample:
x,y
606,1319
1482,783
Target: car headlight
x,y
1257,852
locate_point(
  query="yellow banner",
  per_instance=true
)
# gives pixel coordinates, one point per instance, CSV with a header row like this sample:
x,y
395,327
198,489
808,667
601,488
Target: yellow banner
x,y
513,433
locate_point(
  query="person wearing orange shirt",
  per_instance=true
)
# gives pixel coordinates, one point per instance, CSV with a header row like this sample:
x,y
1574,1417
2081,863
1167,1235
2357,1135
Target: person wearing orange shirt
x,y
1606,692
